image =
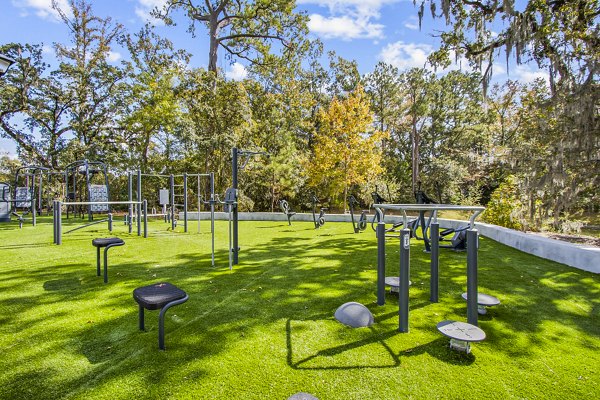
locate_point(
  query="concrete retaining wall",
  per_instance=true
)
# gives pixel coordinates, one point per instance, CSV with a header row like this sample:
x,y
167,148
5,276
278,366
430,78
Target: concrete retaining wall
x,y
583,257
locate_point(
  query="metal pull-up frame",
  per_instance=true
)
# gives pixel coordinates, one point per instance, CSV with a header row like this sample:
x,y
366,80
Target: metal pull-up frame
x,y
57,216
404,273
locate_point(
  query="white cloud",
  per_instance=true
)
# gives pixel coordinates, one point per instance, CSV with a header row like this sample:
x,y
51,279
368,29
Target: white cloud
x,y
414,55
43,8
47,49
237,72
412,23
526,74
348,19
114,56
406,55
145,6
344,28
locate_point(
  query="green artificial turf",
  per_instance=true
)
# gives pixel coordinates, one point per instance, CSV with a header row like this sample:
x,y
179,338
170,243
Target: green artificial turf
x,y
266,329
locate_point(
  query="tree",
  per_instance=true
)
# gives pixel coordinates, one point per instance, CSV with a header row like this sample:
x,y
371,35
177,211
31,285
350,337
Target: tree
x,y
347,150
151,98
89,80
244,29
33,100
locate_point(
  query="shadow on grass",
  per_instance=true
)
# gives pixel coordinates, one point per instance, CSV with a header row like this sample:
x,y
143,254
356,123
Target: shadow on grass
x,y
298,280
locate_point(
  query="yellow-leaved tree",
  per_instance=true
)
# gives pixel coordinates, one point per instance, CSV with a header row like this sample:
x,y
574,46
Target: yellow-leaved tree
x,y
347,148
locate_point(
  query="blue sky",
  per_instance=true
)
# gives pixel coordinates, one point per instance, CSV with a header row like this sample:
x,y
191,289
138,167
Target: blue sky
x,y
367,31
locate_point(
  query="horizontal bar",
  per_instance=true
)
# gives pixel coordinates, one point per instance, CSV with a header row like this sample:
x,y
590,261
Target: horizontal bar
x,y
432,207
85,203
427,207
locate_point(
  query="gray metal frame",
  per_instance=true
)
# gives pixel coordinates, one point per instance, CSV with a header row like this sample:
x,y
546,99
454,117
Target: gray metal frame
x,y
404,274
57,215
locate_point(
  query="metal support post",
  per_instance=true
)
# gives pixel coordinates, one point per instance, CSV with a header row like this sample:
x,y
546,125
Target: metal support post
x,y
33,211
380,259
130,198
59,223
435,262
54,219
110,222
212,216
172,195
185,204
234,184
404,280
472,248
145,218
139,205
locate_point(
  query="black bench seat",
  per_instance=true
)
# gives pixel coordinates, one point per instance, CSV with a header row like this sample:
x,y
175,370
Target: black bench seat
x,y
159,296
105,243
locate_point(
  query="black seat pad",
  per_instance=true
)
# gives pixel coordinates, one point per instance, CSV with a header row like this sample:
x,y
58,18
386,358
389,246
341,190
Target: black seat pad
x,y
156,296
103,242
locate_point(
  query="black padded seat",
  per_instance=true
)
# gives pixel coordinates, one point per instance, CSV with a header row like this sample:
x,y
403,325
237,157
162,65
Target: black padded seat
x,y
105,243
154,297
159,296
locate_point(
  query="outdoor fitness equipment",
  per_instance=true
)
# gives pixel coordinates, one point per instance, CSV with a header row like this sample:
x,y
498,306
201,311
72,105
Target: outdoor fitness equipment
x,y
81,189
457,237
169,199
362,221
57,216
285,207
235,155
472,248
319,222
26,197
393,230
229,205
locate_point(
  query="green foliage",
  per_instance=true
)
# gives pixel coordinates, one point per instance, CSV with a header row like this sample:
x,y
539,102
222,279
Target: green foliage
x,y
505,207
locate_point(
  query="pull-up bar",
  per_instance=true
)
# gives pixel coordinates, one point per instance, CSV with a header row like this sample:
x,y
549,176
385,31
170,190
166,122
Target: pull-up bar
x,y
472,247
57,215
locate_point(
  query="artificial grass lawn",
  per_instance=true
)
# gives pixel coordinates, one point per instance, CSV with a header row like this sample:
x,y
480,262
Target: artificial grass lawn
x,y
266,329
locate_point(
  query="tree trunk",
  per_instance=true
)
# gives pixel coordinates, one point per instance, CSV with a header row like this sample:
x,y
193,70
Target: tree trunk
x,y
214,44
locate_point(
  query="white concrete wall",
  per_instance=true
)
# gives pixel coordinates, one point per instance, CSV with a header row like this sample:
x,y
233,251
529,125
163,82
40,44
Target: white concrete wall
x,y
583,257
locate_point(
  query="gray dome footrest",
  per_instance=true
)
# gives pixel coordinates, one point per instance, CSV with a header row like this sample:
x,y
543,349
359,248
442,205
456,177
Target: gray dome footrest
x,y
354,314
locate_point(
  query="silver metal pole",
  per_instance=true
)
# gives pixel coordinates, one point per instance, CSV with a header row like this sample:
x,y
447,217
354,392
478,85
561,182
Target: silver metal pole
x,y
472,247
139,198
380,259
59,224
434,263
185,204
145,218
404,279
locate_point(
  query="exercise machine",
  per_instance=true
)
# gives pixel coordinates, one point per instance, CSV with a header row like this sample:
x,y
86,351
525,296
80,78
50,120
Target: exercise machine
x,y
285,207
320,221
86,183
362,220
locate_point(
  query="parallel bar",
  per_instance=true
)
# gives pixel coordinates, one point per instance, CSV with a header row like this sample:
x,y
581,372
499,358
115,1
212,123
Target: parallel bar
x,y
404,280
83,203
472,246
435,262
